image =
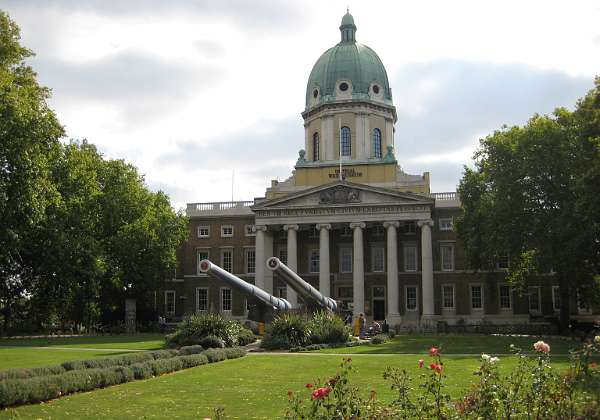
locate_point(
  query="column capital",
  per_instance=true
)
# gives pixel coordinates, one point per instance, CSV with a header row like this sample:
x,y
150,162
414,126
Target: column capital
x,y
355,225
290,227
391,224
256,228
320,226
427,222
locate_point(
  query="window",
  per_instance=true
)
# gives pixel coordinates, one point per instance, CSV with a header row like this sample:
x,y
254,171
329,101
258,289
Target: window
x,y
411,298
346,232
201,299
343,86
314,261
447,254
503,262
203,231
225,299
556,298
378,231
410,228
250,261
170,302
378,291
282,234
346,260
377,259
476,297
313,233
346,143
345,292
410,257
203,254
504,294
583,307
445,224
282,292
226,231
227,260
283,255
248,230
535,305
316,147
377,143
448,296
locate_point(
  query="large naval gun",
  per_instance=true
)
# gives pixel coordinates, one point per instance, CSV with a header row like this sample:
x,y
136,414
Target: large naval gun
x,y
311,296
261,305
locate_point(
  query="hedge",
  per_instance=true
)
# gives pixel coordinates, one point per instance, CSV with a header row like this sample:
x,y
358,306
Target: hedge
x,y
42,388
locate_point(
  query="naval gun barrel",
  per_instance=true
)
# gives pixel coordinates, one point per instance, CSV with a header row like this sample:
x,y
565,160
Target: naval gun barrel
x,y
215,271
299,285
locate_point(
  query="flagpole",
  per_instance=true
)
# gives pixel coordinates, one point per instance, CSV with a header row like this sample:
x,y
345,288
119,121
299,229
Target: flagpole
x,y
340,134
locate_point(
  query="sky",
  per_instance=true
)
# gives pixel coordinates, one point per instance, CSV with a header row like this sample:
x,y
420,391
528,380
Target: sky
x,y
195,93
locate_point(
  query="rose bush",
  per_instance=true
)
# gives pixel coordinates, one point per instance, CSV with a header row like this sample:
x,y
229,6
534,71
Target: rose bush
x,y
533,390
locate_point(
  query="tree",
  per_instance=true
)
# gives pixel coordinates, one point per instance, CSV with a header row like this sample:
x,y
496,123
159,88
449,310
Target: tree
x,y
531,197
29,138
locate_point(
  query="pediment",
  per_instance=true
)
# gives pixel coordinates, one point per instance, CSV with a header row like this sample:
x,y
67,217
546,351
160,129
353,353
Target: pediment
x,y
342,193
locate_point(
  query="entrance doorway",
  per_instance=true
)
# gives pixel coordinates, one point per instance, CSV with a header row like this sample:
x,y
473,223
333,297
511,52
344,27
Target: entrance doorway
x,y
378,303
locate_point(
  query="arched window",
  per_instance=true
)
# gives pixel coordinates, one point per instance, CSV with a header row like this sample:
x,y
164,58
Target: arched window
x,y
346,142
315,147
377,143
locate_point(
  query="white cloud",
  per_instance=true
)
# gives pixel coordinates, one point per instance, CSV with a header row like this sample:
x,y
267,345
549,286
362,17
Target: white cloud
x,y
188,90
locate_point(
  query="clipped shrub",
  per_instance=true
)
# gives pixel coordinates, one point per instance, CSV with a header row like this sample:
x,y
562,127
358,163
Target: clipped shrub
x,y
326,327
215,355
141,370
163,354
193,360
195,349
212,342
286,331
194,328
380,339
22,373
161,366
245,337
234,352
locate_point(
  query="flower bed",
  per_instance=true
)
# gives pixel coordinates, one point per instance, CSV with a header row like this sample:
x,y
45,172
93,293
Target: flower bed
x,y
23,386
532,390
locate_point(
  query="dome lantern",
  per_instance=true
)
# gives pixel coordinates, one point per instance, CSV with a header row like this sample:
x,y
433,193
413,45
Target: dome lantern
x,y
348,28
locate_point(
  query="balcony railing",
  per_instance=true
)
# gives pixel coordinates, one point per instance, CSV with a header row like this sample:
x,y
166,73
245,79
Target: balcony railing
x,y
220,206
445,195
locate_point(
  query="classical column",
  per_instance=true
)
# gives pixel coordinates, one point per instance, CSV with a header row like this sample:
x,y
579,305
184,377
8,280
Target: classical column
x,y
427,268
358,269
259,270
292,259
393,293
324,269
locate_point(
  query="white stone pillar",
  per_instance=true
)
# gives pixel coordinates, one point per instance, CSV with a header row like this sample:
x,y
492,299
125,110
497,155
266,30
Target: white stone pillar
x,y
292,259
393,288
259,275
324,268
427,269
358,269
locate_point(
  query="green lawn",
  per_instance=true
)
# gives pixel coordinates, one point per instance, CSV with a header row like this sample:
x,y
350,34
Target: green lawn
x,y
40,352
253,387
457,344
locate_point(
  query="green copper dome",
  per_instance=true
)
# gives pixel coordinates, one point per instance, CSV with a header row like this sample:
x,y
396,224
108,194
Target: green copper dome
x,y
348,71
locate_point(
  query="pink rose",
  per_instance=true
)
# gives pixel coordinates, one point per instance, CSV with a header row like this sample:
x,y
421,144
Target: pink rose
x,y
434,351
421,361
541,347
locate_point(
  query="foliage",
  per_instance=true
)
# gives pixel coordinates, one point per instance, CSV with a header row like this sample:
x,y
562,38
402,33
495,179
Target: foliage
x,y
532,390
81,378
533,196
286,331
186,350
380,339
326,327
194,328
245,337
212,342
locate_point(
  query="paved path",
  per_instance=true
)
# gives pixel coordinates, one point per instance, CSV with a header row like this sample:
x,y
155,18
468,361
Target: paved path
x,y
306,353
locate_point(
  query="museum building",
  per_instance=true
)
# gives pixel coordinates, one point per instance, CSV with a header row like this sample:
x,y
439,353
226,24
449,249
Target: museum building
x,y
372,237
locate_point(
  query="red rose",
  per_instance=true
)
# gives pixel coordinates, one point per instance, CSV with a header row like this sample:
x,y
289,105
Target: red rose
x,y
434,351
309,386
432,366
